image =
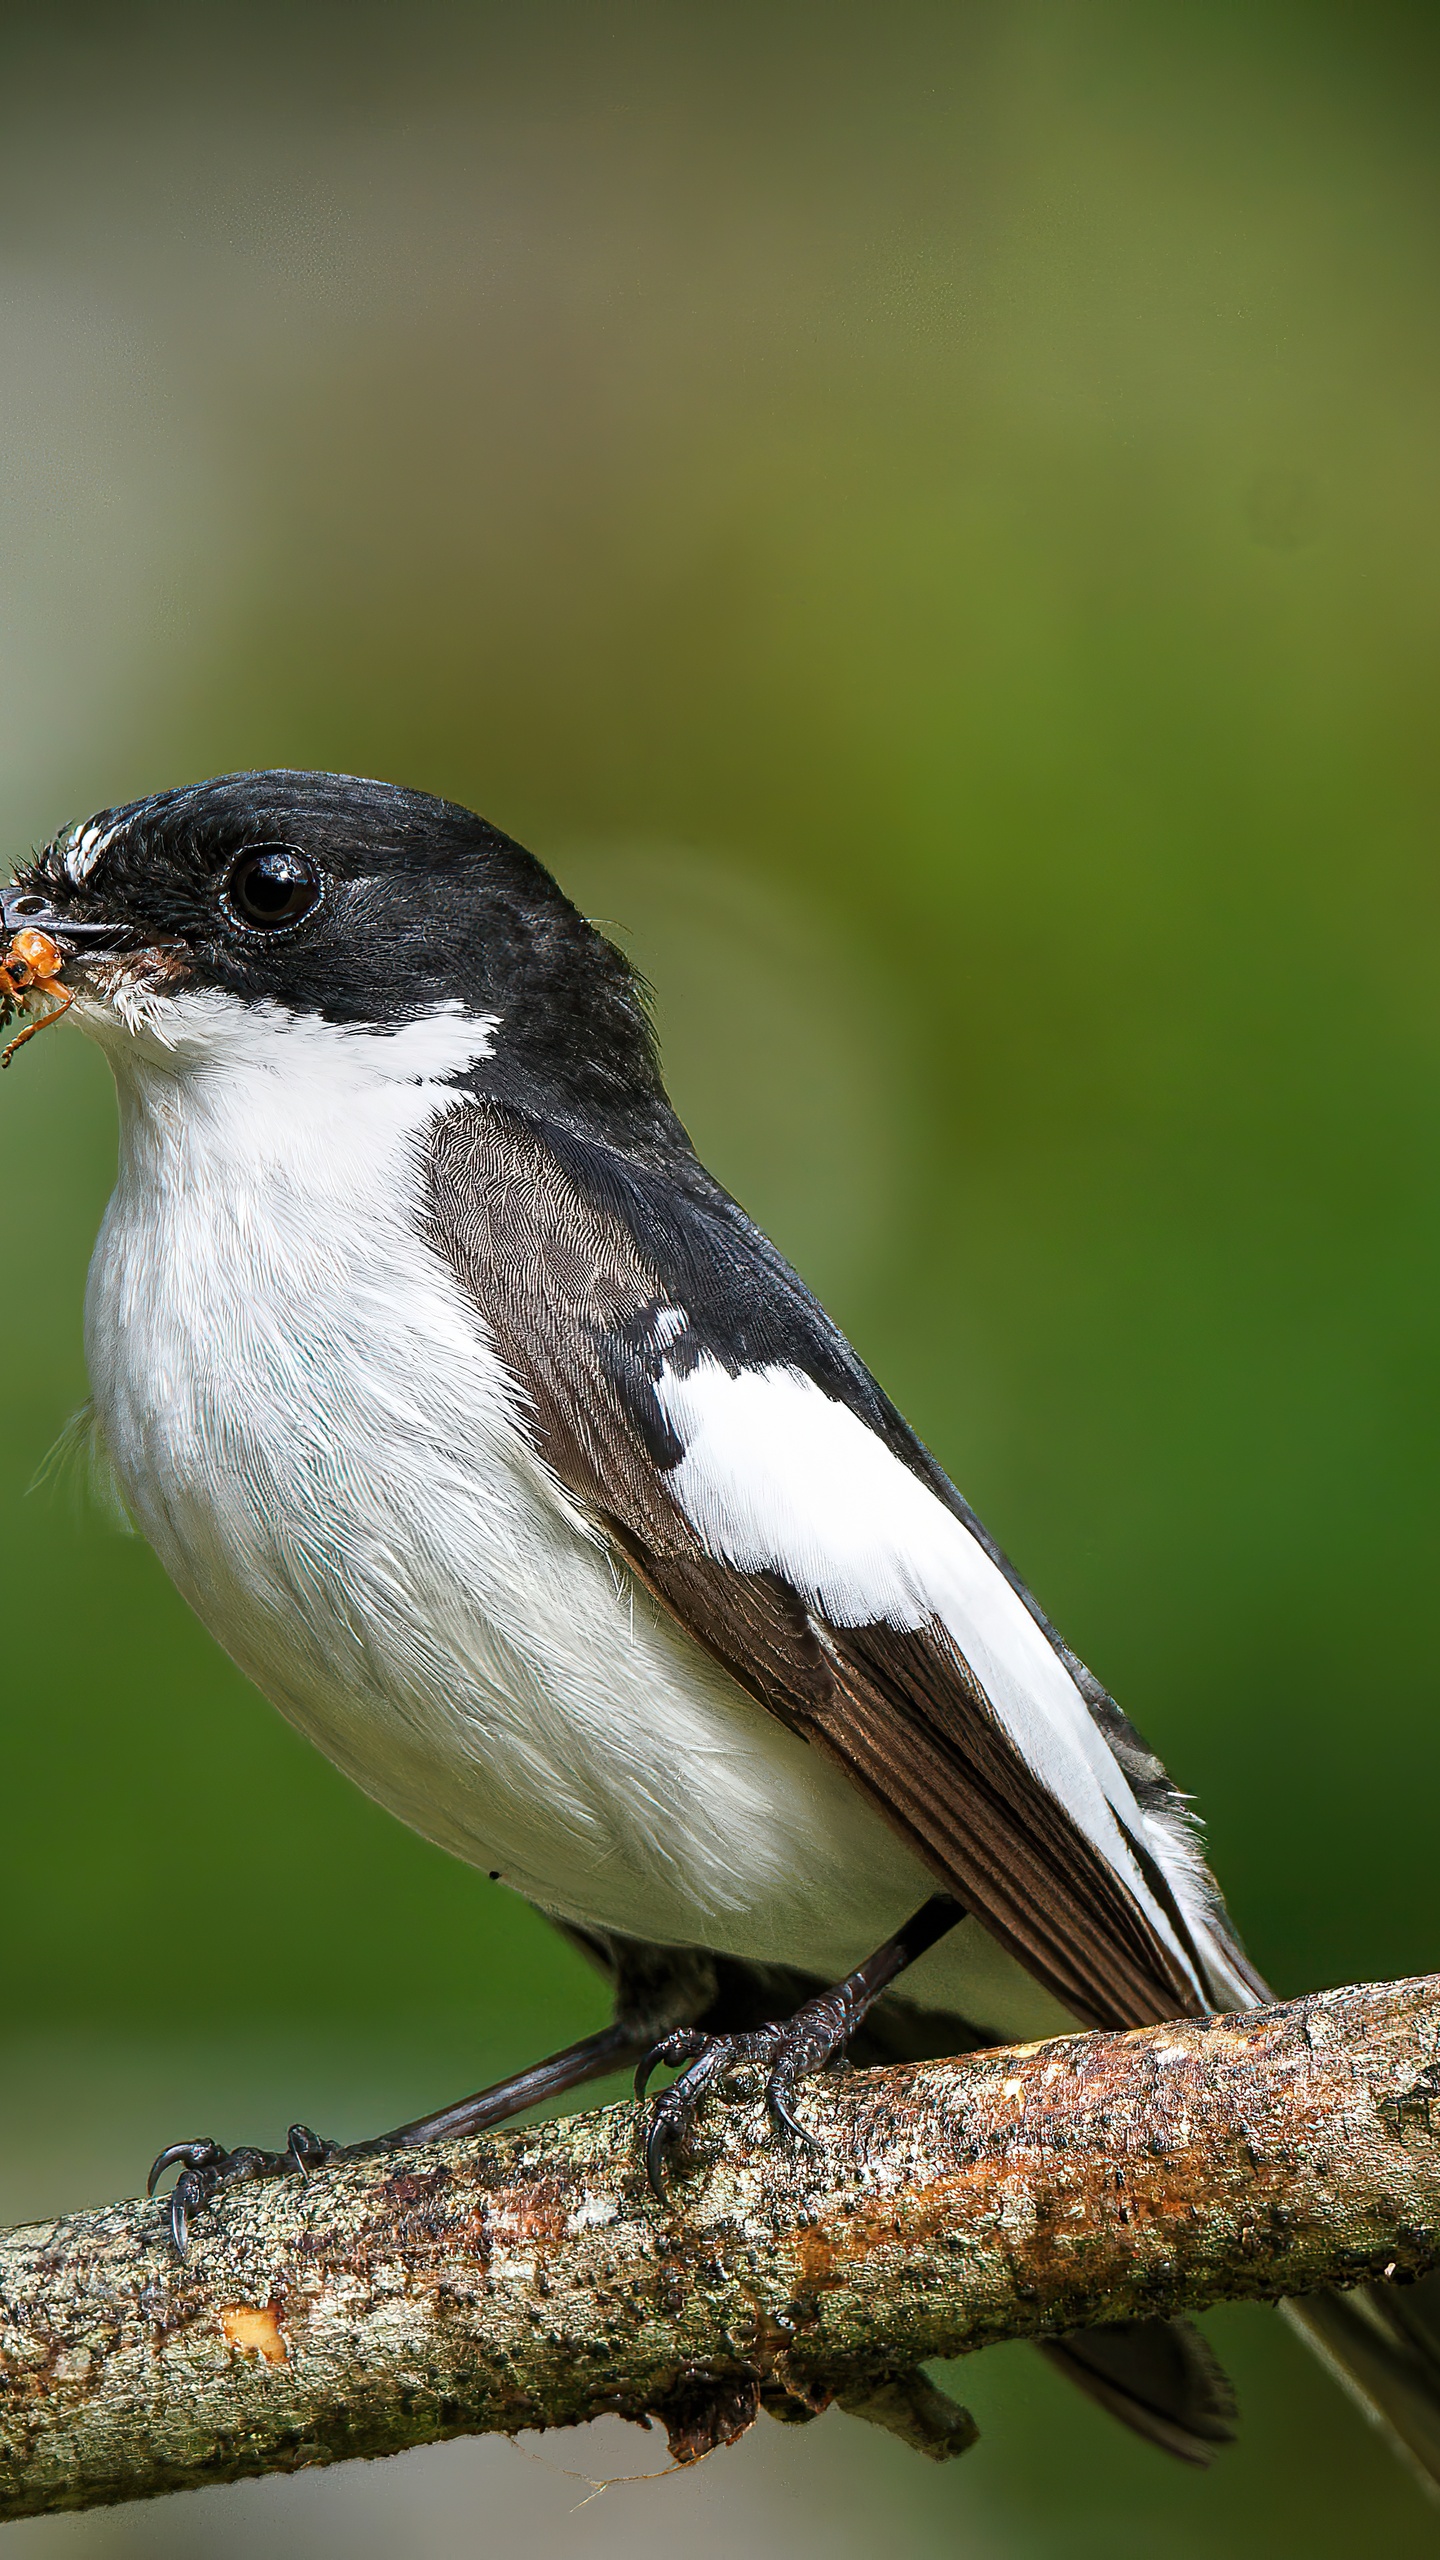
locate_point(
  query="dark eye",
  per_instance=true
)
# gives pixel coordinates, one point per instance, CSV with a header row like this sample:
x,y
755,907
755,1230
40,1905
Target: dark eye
x,y
272,884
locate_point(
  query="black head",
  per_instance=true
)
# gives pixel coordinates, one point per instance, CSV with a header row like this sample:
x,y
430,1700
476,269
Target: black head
x,y
361,904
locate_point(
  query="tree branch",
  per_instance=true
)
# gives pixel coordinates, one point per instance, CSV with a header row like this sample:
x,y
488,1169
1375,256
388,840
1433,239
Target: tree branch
x,y
529,2279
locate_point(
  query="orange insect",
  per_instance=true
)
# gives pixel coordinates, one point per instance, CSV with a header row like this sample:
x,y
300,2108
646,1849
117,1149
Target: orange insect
x,y
31,965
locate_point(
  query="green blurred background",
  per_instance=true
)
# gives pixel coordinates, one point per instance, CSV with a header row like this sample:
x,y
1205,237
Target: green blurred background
x,y
927,518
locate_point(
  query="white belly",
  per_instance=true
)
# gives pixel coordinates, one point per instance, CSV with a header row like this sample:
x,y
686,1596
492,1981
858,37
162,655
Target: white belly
x,y
334,1468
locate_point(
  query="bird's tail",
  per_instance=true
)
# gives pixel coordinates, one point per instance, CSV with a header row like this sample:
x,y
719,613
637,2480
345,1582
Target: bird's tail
x,y
1382,2344
1160,2378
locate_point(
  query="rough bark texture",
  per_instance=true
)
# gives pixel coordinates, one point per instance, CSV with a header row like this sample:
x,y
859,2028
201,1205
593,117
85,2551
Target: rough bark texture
x,y
529,2279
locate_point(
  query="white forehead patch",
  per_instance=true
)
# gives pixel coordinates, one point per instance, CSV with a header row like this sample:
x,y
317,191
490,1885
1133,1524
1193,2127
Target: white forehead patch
x,y
83,849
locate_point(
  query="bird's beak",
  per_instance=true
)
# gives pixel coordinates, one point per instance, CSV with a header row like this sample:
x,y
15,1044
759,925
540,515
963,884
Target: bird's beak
x,y
28,910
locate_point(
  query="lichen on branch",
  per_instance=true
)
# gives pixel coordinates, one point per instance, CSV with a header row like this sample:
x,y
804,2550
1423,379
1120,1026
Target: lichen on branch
x,y
529,2279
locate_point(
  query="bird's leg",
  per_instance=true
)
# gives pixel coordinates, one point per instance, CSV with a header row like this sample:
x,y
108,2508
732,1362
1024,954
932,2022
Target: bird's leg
x,y
645,2006
793,2047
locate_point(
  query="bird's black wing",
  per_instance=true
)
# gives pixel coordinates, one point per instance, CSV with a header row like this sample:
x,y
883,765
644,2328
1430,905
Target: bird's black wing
x,y
709,1419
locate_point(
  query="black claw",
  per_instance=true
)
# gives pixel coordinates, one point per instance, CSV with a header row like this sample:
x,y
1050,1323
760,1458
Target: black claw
x,y
657,2143
671,2118
683,2044
189,2195
306,2151
193,2155
777,2105
674,2111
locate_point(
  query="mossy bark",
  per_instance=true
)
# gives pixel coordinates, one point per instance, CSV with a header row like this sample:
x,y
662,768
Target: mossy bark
x,y
529,2279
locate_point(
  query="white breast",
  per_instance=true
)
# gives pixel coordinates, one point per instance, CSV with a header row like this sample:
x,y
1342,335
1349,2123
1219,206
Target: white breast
x,y
311,1429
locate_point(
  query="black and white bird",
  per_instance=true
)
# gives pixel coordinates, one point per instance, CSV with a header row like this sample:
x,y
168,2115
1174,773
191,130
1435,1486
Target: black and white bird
x,y
514,1464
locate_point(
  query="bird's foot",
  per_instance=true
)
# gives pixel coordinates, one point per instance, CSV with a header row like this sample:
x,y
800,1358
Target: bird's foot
x,y
794,2049
208,2170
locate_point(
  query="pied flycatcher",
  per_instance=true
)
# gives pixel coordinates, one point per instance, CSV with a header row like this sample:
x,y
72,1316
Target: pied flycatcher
x,y
512,1462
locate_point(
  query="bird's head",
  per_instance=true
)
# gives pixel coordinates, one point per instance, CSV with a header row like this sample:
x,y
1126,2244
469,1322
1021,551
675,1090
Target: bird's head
x,y
202,926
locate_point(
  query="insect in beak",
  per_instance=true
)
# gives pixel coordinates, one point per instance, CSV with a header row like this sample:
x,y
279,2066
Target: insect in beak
x,y
31,966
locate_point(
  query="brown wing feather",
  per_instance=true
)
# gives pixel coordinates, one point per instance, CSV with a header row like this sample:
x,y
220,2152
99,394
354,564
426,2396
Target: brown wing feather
x,y
557,1279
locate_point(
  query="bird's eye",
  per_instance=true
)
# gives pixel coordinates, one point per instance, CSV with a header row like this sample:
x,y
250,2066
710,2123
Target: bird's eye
x,y
272,884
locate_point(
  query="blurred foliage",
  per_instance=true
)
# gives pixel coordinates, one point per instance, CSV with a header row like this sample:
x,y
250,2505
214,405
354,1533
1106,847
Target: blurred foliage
x,y
927,520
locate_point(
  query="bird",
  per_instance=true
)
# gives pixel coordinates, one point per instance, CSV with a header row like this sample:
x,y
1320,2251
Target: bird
x,y
513,1463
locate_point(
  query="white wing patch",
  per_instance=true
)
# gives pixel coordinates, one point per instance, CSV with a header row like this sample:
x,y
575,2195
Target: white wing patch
x,y
777,1476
